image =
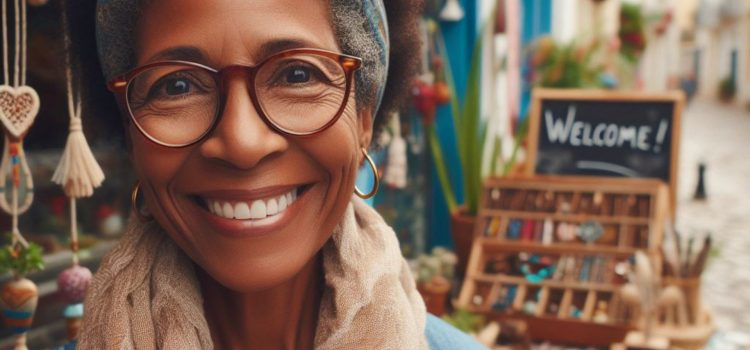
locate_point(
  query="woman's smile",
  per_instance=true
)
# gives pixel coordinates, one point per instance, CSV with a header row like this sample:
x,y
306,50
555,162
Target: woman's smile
x,y
250,213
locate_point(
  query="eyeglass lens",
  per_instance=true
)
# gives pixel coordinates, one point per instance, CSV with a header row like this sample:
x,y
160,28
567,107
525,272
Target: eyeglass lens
x,y
177,104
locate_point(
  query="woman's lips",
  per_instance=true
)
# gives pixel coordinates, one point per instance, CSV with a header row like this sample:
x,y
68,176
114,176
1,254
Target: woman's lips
x,y
237,214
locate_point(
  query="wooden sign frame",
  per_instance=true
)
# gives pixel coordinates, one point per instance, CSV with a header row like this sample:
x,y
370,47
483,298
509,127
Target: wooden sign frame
x,y
676,97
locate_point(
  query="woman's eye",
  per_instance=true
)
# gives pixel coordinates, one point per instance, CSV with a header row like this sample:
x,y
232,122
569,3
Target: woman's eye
x,y
297,75
177,86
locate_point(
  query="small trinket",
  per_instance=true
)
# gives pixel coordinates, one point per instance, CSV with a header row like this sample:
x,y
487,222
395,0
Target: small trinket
x,y
548,232
621,269
590,231
73,316
73,282
565,208
18,301
600,316
575,312
495,194
514,231
566,232
529,307
493,227
553,308
543,265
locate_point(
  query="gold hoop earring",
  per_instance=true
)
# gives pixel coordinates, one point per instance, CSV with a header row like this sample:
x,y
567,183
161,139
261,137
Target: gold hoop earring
x,y
134,203
375,174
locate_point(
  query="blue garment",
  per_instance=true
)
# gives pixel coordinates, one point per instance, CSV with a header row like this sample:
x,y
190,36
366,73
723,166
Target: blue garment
x,y
442,336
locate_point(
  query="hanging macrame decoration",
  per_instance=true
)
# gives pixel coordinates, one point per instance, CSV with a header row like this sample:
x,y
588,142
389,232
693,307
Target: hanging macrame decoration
x,y
452,12
78,173
19,105
397,168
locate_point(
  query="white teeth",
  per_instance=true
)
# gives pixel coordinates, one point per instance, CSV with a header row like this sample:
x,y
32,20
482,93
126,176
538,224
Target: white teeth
x,y
241,211
272,207
258,210
228,211
282,203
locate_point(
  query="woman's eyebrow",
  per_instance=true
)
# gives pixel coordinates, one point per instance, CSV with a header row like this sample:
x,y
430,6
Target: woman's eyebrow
x,y
180,53
271,47
194,54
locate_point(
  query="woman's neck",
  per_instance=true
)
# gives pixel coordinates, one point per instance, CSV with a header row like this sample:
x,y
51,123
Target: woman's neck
x,y
282,317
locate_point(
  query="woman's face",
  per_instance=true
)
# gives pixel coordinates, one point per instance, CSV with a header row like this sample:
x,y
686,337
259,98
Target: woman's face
x,y
192,192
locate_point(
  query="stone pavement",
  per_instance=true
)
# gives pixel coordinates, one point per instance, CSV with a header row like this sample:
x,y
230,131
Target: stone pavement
x,y
720,136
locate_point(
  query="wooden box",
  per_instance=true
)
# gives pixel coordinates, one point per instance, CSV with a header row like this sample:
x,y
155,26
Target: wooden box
x,y
549,249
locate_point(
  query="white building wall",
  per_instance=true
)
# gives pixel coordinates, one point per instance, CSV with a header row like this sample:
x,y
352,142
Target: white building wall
x,y
660,64
583,19
724,30
743,64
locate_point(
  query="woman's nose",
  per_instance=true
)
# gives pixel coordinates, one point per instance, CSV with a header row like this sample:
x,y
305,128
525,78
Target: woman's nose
x,y
241,138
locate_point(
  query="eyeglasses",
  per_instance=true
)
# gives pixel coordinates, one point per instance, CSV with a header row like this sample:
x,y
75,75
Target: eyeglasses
x,y
296,92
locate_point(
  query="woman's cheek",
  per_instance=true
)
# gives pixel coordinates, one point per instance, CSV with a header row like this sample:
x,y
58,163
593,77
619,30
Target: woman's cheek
x,y
337,149
154,163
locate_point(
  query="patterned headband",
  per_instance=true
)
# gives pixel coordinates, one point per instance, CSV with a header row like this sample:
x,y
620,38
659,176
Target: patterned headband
x,y
115,23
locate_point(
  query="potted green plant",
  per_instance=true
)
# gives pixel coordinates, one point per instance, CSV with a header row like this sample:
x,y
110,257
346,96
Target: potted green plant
x,y
727,89
471,136
631,31
19,295
434,273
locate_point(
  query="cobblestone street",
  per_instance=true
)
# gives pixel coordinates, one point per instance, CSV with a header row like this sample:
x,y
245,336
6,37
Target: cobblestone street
x,y
720,136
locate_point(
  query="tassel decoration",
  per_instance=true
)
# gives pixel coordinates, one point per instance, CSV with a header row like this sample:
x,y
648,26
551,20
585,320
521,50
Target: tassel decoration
x,y
396,171
78,172
452,12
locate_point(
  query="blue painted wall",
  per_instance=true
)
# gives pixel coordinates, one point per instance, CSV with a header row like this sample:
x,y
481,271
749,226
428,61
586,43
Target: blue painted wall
x,y
536,21
459,38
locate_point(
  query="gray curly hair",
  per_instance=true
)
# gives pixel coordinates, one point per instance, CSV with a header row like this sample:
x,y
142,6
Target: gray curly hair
x,y
360,27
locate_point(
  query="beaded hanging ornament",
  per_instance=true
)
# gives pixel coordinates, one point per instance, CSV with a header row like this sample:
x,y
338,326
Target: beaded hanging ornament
x,y
19,105
78,173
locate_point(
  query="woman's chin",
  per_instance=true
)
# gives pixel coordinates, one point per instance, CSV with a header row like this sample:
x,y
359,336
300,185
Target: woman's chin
x,y
261,254
240,281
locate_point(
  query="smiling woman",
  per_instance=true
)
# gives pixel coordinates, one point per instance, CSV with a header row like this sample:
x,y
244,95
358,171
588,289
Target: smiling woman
x,y
247,122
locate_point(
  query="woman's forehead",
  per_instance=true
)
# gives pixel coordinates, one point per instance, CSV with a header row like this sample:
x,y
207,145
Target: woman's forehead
x,y
231,31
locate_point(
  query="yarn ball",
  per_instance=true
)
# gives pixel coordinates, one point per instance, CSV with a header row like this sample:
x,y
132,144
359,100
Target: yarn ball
x,y
73,282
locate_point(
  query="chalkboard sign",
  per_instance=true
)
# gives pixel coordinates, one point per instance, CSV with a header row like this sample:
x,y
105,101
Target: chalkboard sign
x,y
605,133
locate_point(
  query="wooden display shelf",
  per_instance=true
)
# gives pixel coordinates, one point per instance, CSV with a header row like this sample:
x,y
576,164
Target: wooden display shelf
x,y
576,300
566,217
503,245
566,331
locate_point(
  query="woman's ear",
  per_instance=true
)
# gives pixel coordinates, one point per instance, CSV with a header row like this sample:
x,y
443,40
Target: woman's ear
x,y
365,127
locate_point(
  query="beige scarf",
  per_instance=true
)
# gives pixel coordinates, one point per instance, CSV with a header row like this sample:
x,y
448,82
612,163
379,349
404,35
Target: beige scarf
x,y
146,296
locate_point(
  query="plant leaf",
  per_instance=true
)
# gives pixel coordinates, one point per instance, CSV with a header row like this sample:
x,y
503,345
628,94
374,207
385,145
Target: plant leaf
x,y
442,172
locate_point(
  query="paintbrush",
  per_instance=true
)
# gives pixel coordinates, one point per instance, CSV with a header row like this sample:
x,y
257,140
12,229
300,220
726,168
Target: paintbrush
x,y
688,257
671,251
700,260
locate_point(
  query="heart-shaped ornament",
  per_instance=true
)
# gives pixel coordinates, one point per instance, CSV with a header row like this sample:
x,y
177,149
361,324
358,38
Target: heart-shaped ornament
x,y
18,108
